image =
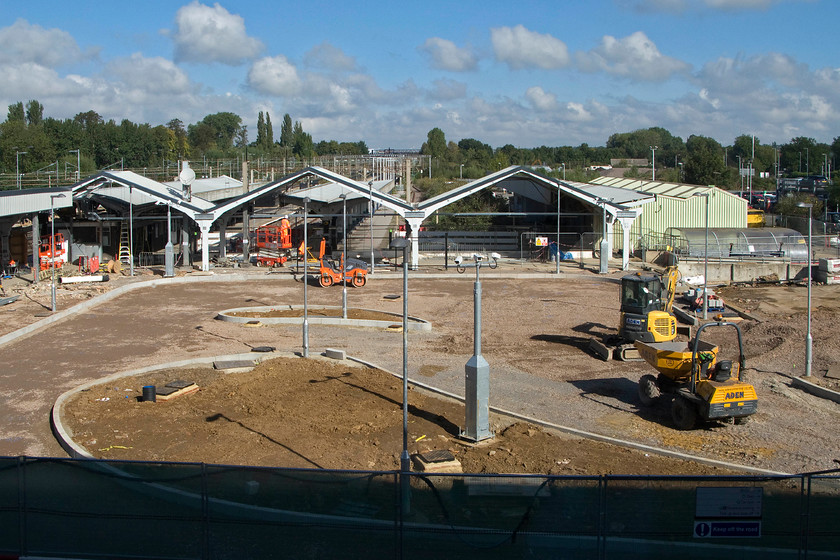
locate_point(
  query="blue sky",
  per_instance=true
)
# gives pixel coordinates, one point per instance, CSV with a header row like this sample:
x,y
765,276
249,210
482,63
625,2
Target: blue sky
x,y
530,73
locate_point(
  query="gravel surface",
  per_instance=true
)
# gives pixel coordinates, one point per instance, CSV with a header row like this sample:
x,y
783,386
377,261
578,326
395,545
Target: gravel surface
x,y
535,335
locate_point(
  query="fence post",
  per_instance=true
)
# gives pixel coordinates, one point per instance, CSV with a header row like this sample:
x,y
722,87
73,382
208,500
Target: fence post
x,y
21,470
446,250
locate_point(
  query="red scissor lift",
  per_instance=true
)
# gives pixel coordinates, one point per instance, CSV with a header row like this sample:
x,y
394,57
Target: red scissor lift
x,y
273,243
45,251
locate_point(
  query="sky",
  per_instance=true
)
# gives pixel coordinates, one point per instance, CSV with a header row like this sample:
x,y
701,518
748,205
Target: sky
x,y
531,73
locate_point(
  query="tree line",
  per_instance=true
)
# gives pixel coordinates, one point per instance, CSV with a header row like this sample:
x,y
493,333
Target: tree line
x,y
29,141
699,160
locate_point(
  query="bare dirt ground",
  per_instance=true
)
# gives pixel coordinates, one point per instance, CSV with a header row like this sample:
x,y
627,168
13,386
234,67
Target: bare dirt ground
x,y
338,415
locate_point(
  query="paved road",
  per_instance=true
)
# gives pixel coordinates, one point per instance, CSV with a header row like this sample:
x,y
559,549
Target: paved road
x,y
169,322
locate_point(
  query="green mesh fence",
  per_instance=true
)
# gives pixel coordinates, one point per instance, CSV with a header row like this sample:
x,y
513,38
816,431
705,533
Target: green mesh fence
x,y
91,509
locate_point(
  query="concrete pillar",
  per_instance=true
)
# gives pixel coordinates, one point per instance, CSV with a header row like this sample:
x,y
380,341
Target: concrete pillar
x,y
5,251
222,239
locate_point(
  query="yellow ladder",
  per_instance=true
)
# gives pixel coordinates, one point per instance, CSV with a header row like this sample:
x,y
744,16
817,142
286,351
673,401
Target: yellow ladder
x,y
125,246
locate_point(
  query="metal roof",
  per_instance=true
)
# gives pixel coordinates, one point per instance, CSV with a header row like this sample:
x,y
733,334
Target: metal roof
x,y
676,190
21,202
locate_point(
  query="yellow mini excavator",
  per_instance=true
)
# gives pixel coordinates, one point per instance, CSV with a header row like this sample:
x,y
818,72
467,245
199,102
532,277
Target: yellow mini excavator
x,y
646,304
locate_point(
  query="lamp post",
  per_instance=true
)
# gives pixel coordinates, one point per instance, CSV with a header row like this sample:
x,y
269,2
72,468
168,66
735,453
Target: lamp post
x,y
130,230
461,172
52,245
370,221
17,168
477,373
557,257
343,197
564,171
305,280
78,164
706,259
169,252
653,162
808,340
405,461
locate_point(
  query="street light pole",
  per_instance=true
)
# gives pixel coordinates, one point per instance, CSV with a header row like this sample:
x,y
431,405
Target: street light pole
x,y
131,231
52,245
370,222
557,256
653,162
343,197
705,258
477,372
78,164
808,339
405,460
305,280
17,168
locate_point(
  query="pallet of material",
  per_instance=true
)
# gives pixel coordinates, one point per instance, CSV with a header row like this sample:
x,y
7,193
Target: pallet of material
x,y
175,389
828,277
831,266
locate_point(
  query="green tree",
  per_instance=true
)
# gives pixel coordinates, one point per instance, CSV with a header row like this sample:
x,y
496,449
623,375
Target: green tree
x,y
269,132
287,135
260,129
704,164
223,126
178,145
34,113
303,146
796,155
435,144
16,113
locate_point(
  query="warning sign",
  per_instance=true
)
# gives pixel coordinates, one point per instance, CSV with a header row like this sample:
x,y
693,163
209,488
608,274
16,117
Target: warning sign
x,y
736,529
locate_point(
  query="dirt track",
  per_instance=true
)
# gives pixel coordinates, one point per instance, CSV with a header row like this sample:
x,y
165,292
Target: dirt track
x,y
534,336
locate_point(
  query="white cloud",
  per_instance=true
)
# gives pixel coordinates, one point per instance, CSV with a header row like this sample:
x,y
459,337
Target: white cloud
x,y
445,55
329,57
212,34
635,57
521,48
150,74
274,75
540,99
744,75
447,90
22,42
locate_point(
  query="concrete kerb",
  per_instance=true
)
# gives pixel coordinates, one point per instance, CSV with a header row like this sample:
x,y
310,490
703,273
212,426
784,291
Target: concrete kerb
x,y
579,433
414,323
76,451
226,277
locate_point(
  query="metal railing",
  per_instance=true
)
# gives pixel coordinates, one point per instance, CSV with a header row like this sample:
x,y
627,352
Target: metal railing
x,y
98,509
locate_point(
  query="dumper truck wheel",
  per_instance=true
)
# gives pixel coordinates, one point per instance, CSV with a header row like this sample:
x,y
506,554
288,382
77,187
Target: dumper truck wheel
x,y
683,413
649,391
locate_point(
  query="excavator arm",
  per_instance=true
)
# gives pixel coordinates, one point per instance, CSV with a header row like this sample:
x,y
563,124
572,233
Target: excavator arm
x,y
670,277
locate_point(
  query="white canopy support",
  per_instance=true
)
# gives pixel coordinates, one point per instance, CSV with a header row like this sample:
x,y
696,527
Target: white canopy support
x,y
626,220
204,226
